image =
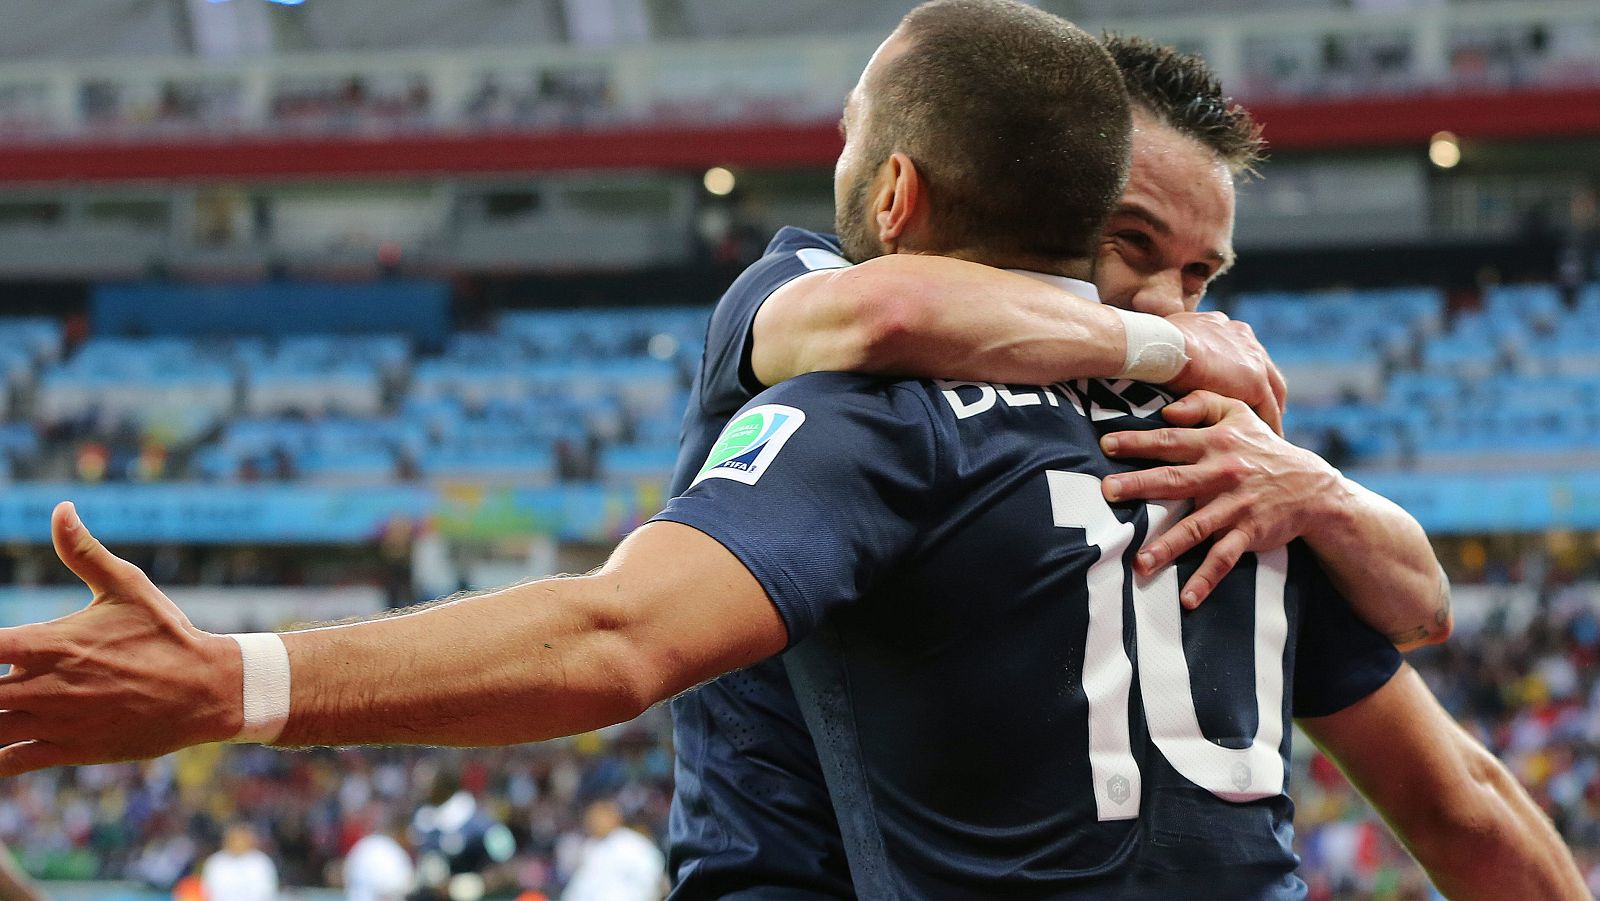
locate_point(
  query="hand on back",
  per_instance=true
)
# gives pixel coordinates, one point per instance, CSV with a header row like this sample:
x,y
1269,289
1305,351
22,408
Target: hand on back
x,y
1253,490
1226,358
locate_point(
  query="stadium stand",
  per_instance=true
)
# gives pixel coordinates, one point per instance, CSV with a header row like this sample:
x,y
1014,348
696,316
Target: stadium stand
x,y
543,397
1529,689
1530,692
1383,380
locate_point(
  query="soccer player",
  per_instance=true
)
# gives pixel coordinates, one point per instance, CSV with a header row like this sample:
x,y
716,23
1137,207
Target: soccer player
x,y
749,792
907,313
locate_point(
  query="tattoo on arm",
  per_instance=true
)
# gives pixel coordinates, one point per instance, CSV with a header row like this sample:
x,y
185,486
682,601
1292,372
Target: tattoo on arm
x,y
1441,610
1408,636
1441,616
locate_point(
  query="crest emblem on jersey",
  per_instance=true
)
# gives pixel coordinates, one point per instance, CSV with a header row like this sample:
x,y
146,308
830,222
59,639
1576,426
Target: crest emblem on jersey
x,y
750,443
1241,776
1118,789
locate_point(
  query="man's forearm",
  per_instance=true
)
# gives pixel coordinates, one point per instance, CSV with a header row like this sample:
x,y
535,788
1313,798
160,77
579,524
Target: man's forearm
x,y
670,609
1449,801
938,317
522,664
1510,849
15,884
1380,559
129,677
928,315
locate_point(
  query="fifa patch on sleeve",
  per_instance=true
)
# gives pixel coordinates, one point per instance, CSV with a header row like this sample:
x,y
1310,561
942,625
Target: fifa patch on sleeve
x,y
750,443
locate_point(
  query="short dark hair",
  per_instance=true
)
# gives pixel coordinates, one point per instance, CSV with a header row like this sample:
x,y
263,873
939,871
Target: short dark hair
x,y
1180,91
1017,121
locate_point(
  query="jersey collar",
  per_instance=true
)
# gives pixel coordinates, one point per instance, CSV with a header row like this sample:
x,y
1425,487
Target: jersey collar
x,y
1074,286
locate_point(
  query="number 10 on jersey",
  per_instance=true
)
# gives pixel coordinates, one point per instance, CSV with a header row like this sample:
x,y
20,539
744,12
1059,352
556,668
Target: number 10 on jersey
x,y
1244,774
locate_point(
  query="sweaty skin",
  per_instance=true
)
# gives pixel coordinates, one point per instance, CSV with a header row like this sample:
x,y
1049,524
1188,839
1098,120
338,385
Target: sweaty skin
x,y
1171,235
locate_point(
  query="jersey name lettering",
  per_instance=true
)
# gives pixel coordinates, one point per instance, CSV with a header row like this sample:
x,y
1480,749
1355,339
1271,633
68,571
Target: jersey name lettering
x,y
1098,399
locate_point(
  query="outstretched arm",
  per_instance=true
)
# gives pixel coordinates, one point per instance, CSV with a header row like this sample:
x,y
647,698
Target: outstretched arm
x,y
1257,491
908,314
1454,806
129,677
670,609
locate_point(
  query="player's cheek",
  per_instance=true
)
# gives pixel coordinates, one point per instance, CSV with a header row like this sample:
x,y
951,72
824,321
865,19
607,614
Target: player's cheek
x,y
1117,281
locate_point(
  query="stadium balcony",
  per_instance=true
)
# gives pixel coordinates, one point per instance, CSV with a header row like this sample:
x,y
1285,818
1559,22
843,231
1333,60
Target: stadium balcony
x,y
468,97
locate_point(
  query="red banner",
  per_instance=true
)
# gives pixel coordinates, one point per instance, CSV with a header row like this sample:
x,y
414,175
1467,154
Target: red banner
x,y
1334,124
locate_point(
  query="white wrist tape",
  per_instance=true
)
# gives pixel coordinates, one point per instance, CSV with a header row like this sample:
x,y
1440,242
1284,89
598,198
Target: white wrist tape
x,y
1157,351
266,687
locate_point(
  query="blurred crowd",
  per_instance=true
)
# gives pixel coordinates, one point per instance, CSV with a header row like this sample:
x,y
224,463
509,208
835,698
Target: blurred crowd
x,y
522,819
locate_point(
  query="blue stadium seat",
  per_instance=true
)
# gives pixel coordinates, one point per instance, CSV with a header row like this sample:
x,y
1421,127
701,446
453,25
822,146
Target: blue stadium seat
x,y
630,464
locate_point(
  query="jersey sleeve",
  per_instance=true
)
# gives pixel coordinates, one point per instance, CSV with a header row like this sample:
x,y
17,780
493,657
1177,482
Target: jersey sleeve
x,y
727,379
820,487
1338,658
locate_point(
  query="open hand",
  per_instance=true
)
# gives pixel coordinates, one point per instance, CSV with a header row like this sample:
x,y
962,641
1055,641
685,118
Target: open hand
x,y
1253,490
126,678
1226,358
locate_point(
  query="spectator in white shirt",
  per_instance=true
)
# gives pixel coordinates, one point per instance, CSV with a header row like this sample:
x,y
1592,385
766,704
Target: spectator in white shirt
x,y
617,863
378,867
240,871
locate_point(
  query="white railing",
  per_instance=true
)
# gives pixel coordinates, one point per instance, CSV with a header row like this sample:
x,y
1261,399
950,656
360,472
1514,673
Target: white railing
x,y
1259,56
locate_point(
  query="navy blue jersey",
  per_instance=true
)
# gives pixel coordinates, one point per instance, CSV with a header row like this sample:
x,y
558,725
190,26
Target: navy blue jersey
x,y
751,817
725,381
999,709
751,814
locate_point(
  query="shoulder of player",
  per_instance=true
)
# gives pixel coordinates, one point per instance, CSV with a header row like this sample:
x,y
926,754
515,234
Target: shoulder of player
x,y
886,400
790,239
839,389
792,253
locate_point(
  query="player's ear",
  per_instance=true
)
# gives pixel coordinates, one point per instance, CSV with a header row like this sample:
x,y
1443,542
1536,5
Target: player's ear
x,y
900,201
